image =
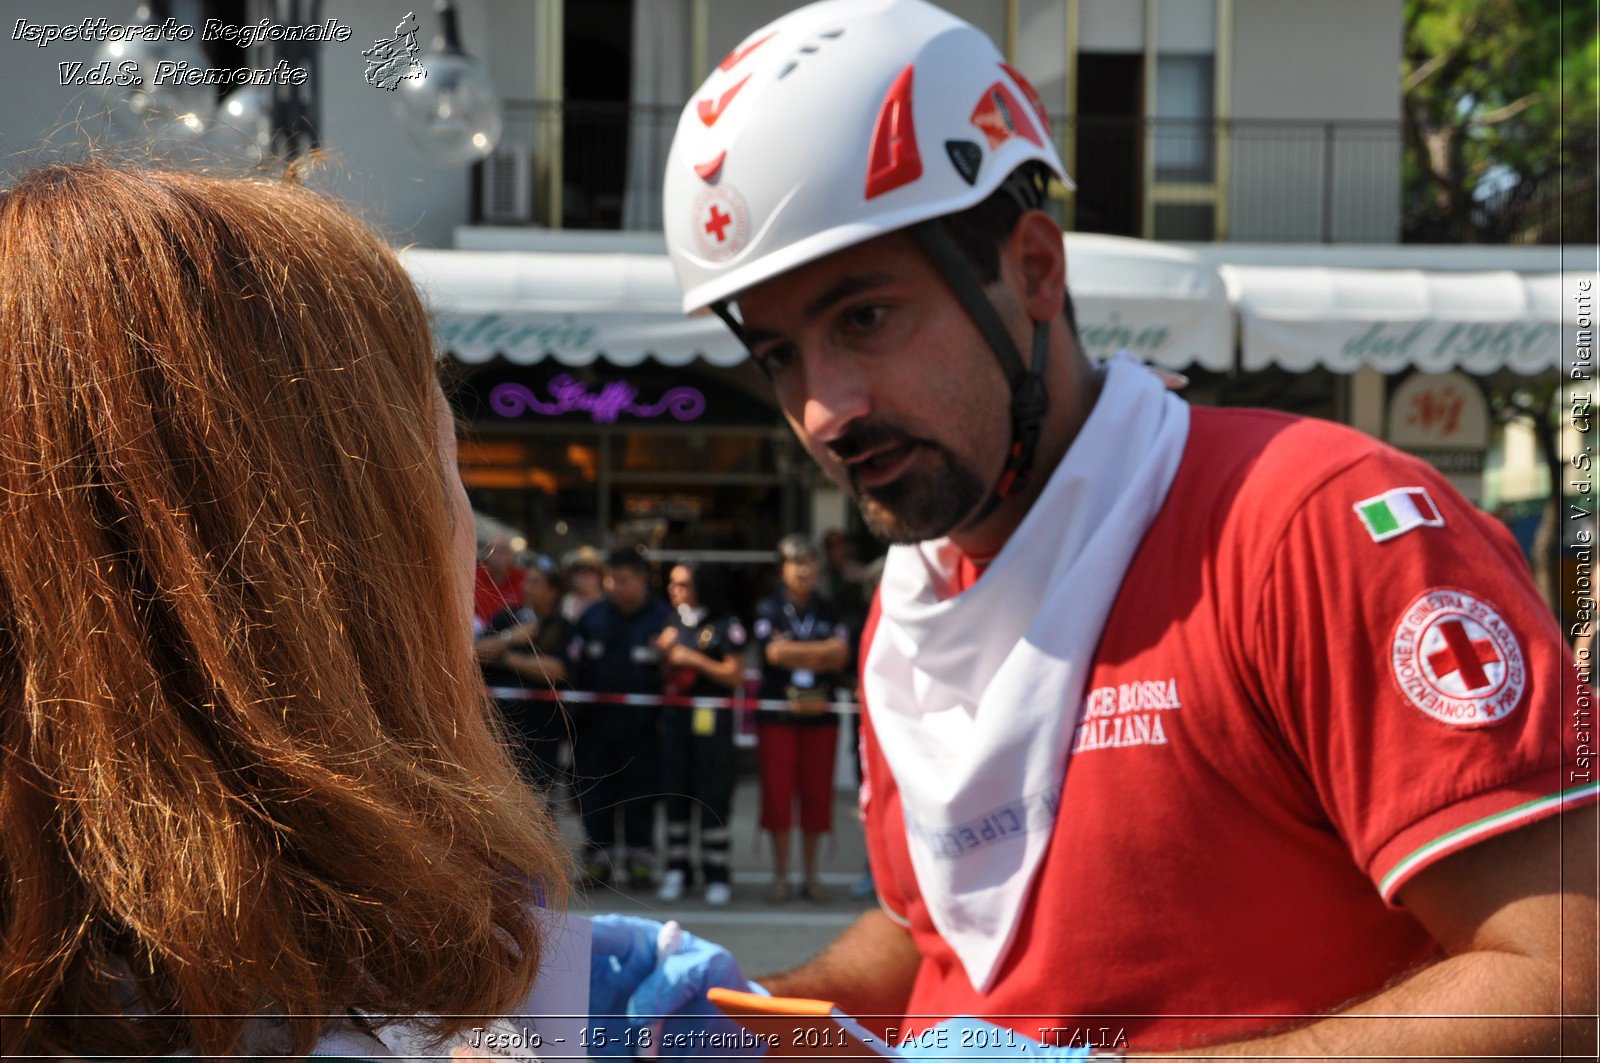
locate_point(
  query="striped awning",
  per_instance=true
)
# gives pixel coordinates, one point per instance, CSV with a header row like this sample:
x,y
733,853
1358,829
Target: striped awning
x,y
1160,303
1395,319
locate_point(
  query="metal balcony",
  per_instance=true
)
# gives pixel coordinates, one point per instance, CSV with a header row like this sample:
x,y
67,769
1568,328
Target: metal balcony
x,y
578,165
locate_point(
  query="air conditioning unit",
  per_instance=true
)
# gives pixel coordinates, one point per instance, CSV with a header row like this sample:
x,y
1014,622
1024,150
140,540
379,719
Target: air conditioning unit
x,y
507,176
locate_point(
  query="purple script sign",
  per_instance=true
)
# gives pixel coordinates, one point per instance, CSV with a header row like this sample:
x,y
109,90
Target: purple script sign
x,y
604,406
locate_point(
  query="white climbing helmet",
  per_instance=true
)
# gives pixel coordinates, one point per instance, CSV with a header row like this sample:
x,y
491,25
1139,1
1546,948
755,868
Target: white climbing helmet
x,y
840,122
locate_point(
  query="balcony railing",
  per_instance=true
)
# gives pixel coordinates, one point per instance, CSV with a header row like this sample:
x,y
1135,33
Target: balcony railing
x,y
598,166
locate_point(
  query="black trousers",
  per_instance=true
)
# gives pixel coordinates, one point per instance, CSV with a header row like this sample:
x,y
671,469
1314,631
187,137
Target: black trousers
x,y
614,774
540,727
697,780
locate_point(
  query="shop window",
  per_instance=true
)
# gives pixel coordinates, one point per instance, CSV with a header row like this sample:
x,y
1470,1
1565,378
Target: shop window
x,y
542,485
696,452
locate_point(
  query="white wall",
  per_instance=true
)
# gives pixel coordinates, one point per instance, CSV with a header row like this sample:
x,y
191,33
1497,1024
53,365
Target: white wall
x,y
1295,60
1111,26
371,163
1042,50
377,168
39,111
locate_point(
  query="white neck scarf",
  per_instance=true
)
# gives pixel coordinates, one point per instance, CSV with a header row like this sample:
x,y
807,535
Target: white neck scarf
x,y
974,697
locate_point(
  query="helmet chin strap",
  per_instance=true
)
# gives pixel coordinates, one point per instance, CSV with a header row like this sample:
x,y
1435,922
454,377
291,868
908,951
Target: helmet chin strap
x,y
1029,402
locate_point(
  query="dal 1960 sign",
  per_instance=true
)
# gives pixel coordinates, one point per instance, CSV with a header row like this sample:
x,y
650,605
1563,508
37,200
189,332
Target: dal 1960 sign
x,y
604,406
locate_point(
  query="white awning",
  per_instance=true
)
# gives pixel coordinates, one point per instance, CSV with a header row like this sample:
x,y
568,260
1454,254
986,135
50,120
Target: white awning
x,y
1160,303
1395,319
572,307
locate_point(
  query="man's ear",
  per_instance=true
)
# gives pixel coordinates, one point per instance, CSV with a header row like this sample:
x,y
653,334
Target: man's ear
x,y
1037,257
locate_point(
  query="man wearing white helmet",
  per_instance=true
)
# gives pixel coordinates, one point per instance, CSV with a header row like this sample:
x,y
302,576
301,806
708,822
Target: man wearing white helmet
x,y
1183,727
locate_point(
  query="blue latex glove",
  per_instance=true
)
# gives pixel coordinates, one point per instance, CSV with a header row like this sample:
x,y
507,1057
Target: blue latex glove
x,y
665,1002
963,1038
622,953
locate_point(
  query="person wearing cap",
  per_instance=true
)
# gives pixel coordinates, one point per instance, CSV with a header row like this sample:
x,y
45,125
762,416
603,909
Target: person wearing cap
x,y
523,653
583,568
801,644
1215,727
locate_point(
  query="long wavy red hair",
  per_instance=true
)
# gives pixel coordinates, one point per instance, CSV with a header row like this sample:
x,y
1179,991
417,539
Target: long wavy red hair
x,y
246,764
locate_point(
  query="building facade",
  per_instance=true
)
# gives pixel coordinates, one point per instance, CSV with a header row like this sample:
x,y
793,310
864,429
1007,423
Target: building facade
x,y
1218,123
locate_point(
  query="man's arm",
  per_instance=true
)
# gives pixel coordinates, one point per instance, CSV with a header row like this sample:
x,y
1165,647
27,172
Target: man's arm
x,y
538,667
820,655
867,970
491,647
726,672
1520,979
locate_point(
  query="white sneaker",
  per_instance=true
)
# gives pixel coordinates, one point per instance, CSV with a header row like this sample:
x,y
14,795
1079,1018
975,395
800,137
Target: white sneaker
x,y
671,886
718,894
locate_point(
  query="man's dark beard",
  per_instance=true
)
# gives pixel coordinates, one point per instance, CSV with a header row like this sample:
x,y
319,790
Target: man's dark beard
x,y
920,503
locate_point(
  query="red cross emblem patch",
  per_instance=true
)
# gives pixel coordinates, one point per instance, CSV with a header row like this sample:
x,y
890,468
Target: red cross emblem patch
x,y
720,223
1457,660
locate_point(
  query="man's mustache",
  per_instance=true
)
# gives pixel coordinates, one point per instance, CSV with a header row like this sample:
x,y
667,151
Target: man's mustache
x,y
863,437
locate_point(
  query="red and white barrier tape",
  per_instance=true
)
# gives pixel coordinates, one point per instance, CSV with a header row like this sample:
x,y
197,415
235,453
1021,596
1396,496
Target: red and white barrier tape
x,y
584,697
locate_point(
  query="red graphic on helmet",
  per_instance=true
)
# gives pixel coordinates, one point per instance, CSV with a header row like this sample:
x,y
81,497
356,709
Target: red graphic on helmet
x,y
710,110
1033,96
1000,116
735,57
895,160
709,169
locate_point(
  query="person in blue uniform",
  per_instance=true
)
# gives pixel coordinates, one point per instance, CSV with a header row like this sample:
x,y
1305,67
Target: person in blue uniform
x,y
702,653
614,651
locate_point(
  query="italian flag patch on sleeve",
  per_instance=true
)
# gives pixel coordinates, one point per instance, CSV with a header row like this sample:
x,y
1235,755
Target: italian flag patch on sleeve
x,y
1397,512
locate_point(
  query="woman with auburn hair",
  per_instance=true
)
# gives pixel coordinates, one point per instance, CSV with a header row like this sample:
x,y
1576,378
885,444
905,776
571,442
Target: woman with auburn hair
x,y
249,783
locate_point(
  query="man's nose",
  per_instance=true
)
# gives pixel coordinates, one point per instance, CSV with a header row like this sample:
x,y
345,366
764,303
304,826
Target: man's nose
x,y
836,394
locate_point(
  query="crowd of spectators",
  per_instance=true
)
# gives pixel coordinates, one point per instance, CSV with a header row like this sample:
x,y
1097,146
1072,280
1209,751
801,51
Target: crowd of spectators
x,y
626,683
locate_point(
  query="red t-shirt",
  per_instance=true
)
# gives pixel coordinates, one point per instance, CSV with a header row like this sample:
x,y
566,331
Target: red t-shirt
x,y
1289,713
490,597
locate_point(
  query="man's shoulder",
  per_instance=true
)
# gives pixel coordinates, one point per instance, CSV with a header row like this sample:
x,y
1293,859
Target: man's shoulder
x,y
593,616
1272,442
1266,460
1251,476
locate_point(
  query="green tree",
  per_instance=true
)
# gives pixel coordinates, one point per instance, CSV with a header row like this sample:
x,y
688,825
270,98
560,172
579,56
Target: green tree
x,y
1540,402
1500,120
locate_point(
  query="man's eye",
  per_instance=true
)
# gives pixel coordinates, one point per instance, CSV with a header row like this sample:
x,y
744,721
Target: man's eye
x,y
865,318
775,357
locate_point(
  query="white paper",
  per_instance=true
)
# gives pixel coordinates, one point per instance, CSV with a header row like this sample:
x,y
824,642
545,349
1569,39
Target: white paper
x,y
548,1025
